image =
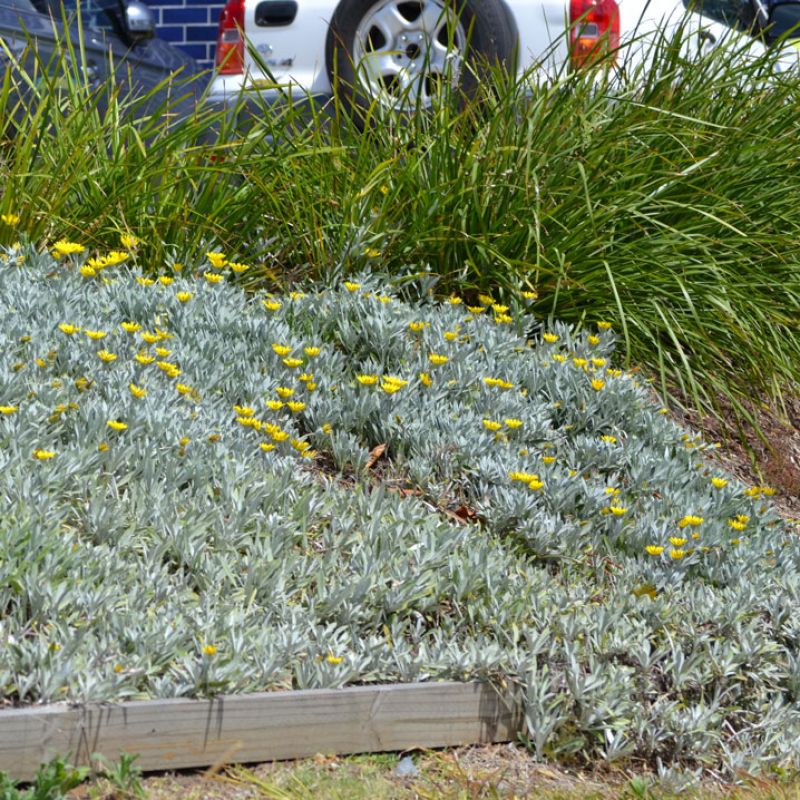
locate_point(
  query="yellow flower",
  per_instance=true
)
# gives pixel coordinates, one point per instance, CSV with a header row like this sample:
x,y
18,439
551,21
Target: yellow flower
x,y
115,257
609,439
165,280
296,406
184,297
238,268
598,362
327,429
274,405
592,339
271,305
65,327
311,352
300,445
425,378
654,550
209,649
43,455
485,300
332,659
293,363
437,360
137,391
267,446
513,423
214,437
550,338
102,447
617,511
604,326
737,525
296,295
491,425
743,518
284,391
719,483
384,298
524,477
9,409
753,491
96,335
391,388
503,319
116,425
213,277
690,519
535,485
165,366
529,295
129,241
351,286
416,327
450,336
104,355
498,309
598,384
163,352
454,301
476,309
10,219
150,338
279,436
767,491
182,388
244,411
560,357
65,248
548,459
87,272
281,349
142,281
144,358
183,441
579,362
217,260
734,542
371,252
131,327
614,373
677,555
677,541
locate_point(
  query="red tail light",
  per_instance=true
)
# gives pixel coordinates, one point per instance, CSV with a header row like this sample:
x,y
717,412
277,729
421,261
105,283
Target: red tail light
x,y
230,39
594,30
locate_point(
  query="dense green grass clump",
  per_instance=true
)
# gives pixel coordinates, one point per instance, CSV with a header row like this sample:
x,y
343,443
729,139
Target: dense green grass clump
x,y
660,196
189,507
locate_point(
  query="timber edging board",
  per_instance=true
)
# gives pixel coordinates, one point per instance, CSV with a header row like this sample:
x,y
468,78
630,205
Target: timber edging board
x,y
268,726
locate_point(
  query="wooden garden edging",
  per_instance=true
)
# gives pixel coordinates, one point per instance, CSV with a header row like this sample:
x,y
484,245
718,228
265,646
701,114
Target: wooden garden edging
x,y
177,733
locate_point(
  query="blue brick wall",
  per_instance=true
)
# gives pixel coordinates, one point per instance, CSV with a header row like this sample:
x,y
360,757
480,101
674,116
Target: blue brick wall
x,y
190,25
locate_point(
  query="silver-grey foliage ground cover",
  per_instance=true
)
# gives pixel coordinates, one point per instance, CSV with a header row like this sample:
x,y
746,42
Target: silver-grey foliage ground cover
x,y
179,557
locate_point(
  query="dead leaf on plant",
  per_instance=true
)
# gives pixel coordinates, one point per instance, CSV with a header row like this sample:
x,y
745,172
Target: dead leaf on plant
x,y
375,454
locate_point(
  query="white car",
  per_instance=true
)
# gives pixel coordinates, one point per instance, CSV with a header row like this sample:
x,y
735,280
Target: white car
x,y
398,51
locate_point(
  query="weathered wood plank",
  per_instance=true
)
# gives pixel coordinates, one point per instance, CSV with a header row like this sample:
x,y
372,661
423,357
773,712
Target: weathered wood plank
x,y
177,733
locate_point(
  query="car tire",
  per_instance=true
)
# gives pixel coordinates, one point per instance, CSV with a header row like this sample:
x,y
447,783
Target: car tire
x,y
398,52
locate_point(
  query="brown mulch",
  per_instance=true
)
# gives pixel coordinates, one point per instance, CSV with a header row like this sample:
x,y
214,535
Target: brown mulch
x,y
770,458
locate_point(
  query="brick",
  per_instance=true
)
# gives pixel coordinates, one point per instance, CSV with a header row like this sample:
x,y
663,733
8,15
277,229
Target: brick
x,y
199,52
201,33
182,16
172,33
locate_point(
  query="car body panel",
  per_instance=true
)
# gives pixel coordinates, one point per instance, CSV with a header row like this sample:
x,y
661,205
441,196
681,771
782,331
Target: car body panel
x,y
294,54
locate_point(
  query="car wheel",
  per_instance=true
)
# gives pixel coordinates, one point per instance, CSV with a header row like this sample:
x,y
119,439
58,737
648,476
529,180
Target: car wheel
x,y
401,53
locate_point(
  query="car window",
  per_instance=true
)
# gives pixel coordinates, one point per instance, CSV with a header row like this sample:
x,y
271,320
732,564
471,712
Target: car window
x,y
95,14
733,13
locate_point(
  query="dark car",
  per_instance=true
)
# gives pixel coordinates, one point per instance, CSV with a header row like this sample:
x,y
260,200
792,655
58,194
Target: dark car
x,y
116,35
